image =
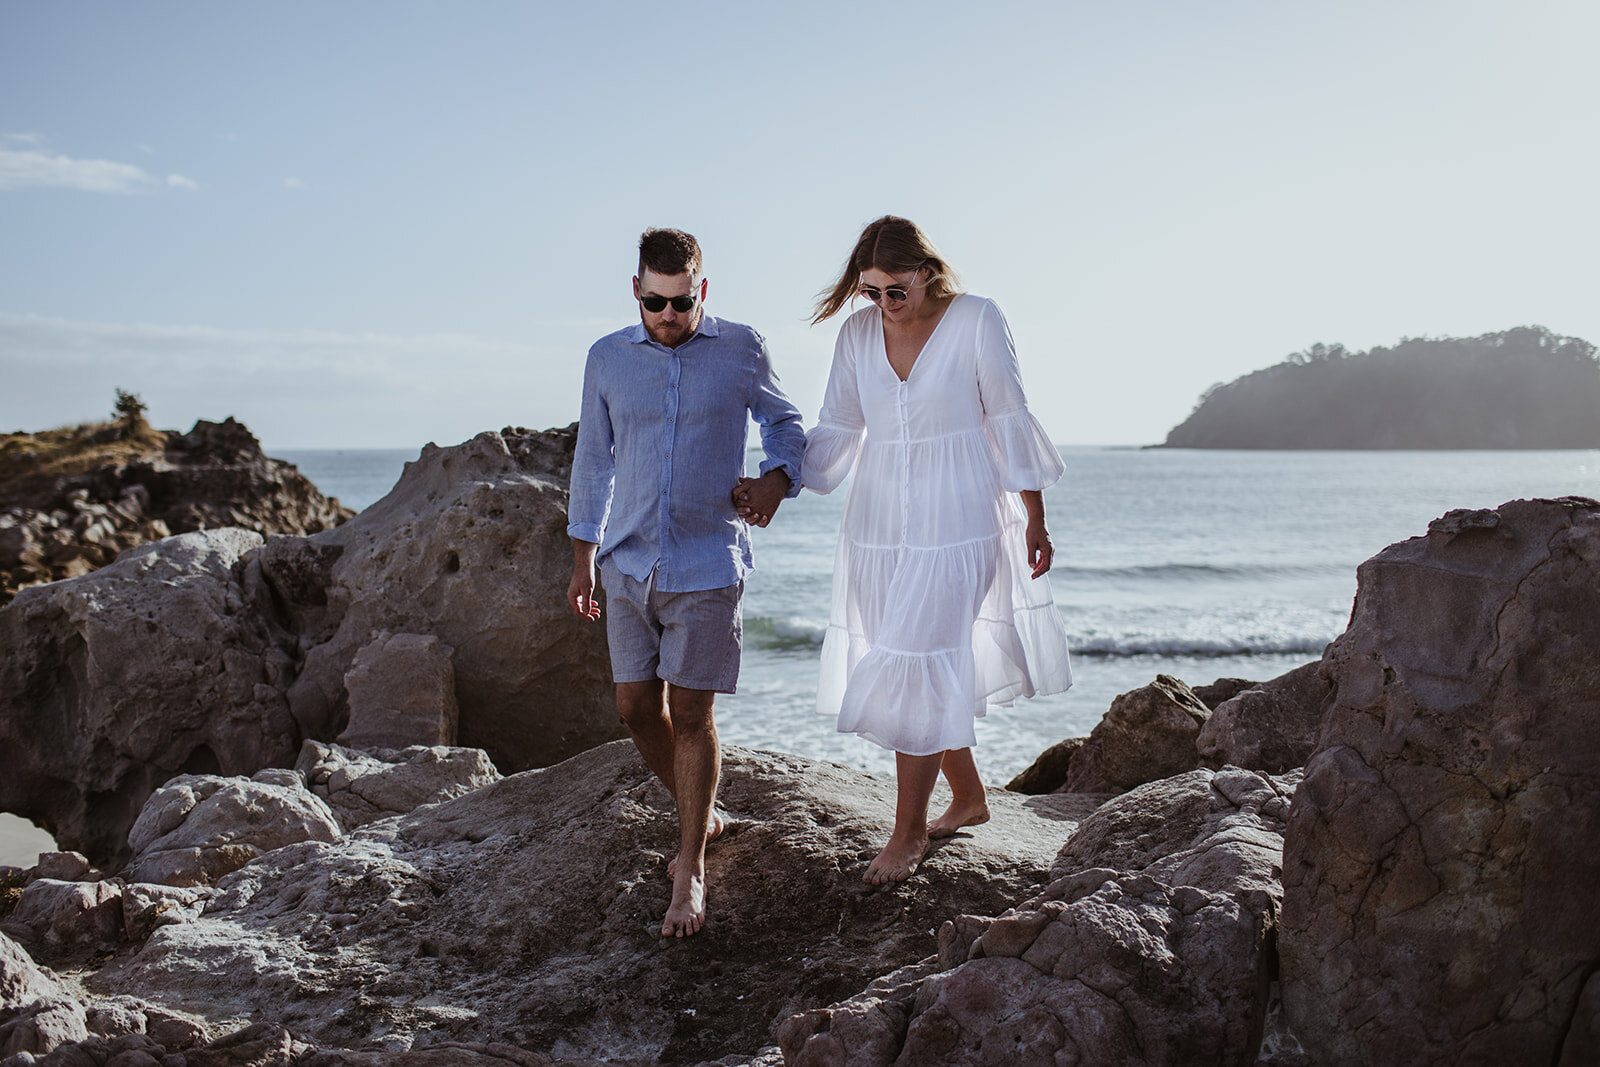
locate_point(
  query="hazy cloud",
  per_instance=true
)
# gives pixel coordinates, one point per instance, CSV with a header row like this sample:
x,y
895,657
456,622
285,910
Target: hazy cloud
x,y
32,169
293,183
178,181
29,139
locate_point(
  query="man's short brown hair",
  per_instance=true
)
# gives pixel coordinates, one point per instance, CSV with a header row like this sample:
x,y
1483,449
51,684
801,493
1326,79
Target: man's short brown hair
x,y
668,252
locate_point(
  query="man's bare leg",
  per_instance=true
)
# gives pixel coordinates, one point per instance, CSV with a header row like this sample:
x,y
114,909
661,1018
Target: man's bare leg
x,y
697,767
969,803
643,708
915,777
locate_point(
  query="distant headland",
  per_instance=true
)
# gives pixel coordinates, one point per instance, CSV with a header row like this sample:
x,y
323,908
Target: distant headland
x,y
1521,388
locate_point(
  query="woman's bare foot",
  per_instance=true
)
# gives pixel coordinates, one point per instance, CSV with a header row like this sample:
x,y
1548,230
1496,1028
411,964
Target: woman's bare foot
x,y
687,913
960,813
714,827
897,862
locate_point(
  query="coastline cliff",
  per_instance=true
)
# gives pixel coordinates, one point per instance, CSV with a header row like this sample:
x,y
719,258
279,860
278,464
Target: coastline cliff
x,y
1523,388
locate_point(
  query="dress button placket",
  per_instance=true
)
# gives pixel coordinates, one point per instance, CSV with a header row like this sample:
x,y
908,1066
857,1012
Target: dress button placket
x,y
905,462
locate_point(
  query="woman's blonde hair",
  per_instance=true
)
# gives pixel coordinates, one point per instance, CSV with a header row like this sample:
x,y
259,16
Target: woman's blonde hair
x,y
893,245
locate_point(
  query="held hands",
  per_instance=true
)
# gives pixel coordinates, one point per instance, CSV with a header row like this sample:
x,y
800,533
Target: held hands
x,y
757,499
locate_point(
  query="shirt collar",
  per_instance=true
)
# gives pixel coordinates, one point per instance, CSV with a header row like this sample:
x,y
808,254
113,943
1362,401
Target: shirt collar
x,y
708,328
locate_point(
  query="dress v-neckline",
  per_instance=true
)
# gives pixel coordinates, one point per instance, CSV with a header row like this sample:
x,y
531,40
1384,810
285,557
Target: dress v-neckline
x,y
883,341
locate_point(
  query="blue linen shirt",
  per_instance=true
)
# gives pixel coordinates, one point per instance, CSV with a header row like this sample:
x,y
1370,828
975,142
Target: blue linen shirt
x,y
661,443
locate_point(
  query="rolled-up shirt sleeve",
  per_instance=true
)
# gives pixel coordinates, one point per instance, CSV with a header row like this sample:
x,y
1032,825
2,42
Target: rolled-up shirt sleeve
x,y
1024,454
835,441
783,439
593,461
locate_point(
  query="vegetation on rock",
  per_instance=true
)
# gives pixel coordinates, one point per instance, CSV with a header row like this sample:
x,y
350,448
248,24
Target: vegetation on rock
x,y
1521,388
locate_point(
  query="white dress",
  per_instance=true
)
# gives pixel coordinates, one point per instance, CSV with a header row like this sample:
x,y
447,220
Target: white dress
x,y
935,613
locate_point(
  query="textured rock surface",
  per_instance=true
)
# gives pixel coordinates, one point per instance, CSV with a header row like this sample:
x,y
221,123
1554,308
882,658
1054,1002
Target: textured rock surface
x,y
62,917
114,682
216,653
215,475
1442,881
402,691
1048,772
471,547
528,912
1152,945
197,828
1270,727
1147,734
361,787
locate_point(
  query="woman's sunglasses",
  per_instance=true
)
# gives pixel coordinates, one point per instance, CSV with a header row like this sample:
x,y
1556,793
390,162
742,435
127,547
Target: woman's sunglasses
x,y
876,295
681,304
897,293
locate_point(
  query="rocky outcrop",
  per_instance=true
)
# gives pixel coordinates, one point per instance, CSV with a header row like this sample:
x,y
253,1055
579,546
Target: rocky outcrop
x,y
157,665
1270,727
401,685
216,652
362,787
1441,879
469,547
1147,734
528,912
1152,945
198,827
55,526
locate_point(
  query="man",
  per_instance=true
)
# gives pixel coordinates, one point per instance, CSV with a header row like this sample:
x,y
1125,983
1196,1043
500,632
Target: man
x,y
660,453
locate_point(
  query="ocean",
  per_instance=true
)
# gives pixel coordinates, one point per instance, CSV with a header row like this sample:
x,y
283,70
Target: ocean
x,y
1198,564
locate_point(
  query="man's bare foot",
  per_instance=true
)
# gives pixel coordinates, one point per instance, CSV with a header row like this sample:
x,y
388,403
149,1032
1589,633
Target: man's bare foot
x,y
687,913
714,827
897,862
960,813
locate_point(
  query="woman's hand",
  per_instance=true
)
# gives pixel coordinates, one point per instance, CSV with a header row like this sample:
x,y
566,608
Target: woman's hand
x,y
1037,538
1040,551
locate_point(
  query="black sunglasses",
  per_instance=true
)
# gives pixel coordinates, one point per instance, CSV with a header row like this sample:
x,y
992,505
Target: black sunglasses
x,y
656,304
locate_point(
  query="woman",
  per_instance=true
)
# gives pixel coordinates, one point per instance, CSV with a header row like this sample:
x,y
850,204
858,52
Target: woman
x,y
938,607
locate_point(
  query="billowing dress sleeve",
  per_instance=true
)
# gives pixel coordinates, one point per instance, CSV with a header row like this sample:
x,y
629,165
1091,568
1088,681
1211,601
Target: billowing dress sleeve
x,y
835,441
1024,454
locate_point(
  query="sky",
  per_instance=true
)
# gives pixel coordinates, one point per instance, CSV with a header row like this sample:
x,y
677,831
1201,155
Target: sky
x,y
382,224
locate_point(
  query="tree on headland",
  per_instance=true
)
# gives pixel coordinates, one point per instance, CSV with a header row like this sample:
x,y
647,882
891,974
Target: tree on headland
x,y
1521,388
129,412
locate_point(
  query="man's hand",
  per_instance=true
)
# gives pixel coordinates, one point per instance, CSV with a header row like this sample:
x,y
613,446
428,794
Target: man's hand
x,y
580,591
757,499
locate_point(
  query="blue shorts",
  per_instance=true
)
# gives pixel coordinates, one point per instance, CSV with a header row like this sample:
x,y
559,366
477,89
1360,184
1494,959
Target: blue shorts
x,y
691,640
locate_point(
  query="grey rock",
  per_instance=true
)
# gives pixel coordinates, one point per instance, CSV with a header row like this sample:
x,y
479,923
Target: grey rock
x,y
1221,690
116,681
146,906
63,866
68,916
42,1027
1271,727
1151,945
361,787
1048,772
1441,879
1147,734
23,982
529,912
470,547
402,691
197,828
217,653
